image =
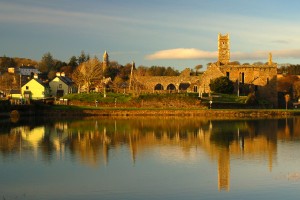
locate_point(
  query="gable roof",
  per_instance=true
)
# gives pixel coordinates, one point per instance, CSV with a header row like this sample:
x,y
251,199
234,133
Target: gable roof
x,y
66,80
39,81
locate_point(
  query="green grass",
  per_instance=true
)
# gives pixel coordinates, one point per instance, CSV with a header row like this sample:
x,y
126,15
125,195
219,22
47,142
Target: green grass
x,y
167,96
226,98
92,97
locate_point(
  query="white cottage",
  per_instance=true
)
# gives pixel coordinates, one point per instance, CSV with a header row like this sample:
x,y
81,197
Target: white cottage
x,y
62,85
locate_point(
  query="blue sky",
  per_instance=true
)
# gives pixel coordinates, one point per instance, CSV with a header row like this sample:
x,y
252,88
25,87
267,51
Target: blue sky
x,y
181,33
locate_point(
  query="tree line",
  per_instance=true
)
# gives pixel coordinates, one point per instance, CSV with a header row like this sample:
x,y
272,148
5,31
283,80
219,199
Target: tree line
x,y
289,69
78,68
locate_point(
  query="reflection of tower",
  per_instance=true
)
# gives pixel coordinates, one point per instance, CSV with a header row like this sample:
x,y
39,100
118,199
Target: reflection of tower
x,y
224,49
224,170
106,141
132,67
105,61
133,148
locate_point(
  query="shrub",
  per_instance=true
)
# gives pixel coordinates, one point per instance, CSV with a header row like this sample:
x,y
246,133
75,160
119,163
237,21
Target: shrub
x,y
222,85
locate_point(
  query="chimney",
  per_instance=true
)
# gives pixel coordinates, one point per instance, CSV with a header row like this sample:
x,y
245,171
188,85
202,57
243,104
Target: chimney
x,y
35,76
63,74
57,73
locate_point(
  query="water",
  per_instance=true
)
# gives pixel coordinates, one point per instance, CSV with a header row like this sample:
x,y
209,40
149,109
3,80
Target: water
x,y
150,158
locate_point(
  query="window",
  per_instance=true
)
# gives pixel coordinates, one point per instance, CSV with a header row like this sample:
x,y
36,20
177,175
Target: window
x,y
227,74
27,87
243,77
195,88
60,86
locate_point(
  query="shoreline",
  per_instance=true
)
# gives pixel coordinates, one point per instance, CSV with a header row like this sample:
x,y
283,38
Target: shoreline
x,y
215,113
87,111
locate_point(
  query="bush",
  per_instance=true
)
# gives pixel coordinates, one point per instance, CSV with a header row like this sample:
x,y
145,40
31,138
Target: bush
x,y
222,85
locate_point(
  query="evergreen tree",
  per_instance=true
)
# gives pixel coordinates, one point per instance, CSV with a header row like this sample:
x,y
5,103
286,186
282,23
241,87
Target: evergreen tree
x,y
47,63
73,62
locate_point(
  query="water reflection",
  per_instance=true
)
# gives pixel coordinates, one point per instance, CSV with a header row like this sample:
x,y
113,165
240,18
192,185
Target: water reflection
x,y
91,141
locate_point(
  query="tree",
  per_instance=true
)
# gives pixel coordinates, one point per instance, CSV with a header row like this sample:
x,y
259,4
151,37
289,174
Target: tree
x,y
51,74
258,63
141,70
47,63
170,71
58,65
83,57
222,85
67,70
7,81
235,63
88,73
112,70
296,90
73,62
6,62
198,67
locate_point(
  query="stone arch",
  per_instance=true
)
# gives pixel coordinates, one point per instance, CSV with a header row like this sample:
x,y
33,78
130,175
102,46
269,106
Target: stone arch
x,y
158,87
184,86
171,86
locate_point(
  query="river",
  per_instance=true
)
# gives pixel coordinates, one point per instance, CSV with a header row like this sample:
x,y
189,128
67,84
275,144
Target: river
x,y
150,158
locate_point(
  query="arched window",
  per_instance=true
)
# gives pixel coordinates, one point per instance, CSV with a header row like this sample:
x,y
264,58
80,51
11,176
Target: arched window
x,y
171,87
184,86
158,87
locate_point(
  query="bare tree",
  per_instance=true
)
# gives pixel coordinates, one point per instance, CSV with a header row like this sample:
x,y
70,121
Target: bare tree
x,y
88,73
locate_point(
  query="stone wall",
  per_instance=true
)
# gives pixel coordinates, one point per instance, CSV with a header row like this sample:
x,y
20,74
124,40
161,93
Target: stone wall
x,y
168,83
260,79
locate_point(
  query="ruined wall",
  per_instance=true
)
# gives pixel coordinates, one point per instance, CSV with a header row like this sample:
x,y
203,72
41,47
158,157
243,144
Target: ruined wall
x,y
261,79
151,83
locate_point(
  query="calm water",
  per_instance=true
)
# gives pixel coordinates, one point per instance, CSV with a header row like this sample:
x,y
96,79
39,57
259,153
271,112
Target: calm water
x,y
149,158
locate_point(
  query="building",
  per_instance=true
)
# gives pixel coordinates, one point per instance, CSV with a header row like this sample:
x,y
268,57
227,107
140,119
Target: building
x,y
15,94
260,79
62,85
35,89
28,70
105,61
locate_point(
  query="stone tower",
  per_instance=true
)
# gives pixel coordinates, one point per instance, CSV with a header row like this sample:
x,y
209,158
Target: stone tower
x,y
224,49
105,60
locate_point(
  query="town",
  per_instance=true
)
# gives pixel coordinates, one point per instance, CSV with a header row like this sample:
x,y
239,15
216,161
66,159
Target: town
x,y
52,81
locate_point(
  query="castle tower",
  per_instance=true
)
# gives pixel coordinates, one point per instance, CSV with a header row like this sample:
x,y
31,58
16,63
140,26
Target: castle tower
x,y
224,49
105,60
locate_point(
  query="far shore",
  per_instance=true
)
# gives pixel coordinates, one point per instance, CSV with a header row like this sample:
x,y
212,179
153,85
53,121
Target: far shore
x,y
69,111
63,111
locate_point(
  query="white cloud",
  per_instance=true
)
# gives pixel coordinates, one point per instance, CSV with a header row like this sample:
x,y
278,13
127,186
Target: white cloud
x,y
182,53
192,53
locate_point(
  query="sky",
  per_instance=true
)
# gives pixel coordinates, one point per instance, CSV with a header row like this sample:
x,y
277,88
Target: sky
x,y
180,34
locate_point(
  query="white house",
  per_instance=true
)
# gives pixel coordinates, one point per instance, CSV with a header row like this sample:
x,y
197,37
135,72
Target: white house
x,y
62,85
35,89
